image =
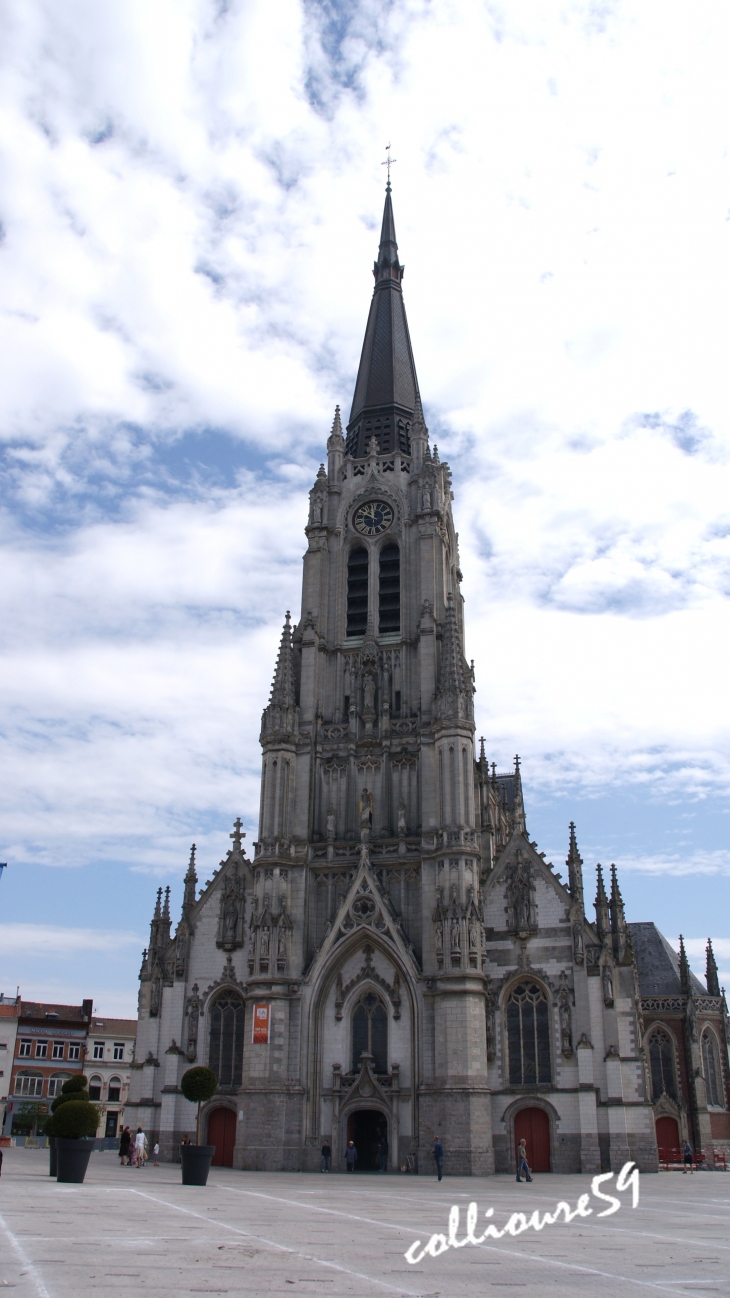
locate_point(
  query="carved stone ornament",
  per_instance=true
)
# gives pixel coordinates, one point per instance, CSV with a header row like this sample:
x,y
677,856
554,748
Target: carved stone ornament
x,y
368,973
230,920
193,1015
578,949
521,905
607,975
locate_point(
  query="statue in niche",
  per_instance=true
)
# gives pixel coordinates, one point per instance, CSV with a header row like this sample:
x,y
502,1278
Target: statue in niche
x,y
368,693
440,938
578,953
331,824
264,942
566,1043
230,916
426,498
455,934
155,997
367,807
473,935
317,510
401,819
193,1018
519,896
607,985
281,942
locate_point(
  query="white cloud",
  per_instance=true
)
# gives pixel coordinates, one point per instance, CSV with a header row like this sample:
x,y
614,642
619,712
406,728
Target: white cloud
x,y
49,939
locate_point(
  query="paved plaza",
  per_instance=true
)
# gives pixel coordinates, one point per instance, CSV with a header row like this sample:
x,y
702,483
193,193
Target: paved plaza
x,y
127,1230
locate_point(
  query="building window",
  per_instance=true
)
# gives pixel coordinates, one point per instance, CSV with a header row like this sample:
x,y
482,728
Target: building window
x,y
57,1052
115,1090
711,1069
74,1051
98,1050
357,591
41,1049
528,1036
118,1050
25,1049
370,1033
661,1061
225,1054
55,1082
30,1084
95,1085
389,597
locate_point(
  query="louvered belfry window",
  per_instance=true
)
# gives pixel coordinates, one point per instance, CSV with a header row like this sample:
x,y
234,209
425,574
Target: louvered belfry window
x,y
225,1054
528,1035
389,601
357,591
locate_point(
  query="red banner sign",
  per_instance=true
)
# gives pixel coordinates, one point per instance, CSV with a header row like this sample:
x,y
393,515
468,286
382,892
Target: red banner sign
x,y
261,1021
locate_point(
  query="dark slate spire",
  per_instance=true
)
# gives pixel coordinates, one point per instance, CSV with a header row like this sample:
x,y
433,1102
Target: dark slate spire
x,y
191,880
455,690
574,863
684,977
618,918
519,808
386,390
711,977
603,927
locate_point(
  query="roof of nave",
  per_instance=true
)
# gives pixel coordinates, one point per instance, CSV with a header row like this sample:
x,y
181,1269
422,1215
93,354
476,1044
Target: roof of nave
x,y
114,1027
658,963
507,788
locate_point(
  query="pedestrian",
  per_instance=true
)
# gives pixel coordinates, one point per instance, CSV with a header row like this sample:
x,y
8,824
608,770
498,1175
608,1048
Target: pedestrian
x,y
326,1155
383,1153
351,1156
125,1141
185,1140
687,1158
156,1154
140,1142
438,1153
522,1161
1,1162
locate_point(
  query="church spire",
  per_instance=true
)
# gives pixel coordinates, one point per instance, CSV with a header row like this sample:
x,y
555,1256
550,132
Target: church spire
x,y
165,921
519,809
618,918
282,689
191,880
574,862
712,977
155,925
684,977
603,927
454,691
386,390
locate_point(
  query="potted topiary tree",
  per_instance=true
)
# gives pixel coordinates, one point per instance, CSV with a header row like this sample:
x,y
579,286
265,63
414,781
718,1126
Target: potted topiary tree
x,y
73,1088
197,1085
74,1125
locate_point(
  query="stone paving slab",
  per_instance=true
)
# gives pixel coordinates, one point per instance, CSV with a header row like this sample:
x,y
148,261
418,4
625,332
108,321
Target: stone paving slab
x,y
130,1231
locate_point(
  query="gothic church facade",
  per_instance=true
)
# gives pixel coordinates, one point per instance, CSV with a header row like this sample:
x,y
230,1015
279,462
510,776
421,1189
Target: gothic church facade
x,y
398,959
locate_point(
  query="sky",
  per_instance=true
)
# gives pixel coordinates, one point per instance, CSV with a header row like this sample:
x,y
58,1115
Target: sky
x,y
190,201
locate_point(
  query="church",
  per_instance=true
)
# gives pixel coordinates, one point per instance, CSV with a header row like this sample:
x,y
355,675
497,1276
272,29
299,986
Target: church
x,y
398,960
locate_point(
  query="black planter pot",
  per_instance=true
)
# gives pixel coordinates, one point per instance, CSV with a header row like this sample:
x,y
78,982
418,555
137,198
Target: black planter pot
x,y
73,1158
53,1168
196,1161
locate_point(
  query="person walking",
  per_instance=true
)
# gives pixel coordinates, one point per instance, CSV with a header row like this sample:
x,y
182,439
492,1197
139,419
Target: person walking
x,y
383,1153
687,1158
326,1156
140,1142
156,1154
351,1156
522,1161
438,1153
125,1141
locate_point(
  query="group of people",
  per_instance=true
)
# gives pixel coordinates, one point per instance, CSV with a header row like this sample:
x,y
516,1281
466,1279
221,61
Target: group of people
x,y
133,1149
351,1155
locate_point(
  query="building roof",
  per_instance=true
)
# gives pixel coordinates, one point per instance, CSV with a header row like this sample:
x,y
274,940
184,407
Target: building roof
x,y
114,1027
658,963
9,1011
64,1013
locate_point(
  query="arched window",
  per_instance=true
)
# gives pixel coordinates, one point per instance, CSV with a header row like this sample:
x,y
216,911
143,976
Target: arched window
x,y
29,1084
370,1032
661,1061
114,1094
357,591
225,1054
711,1068
528,1035
95,1085
55,1082
389,596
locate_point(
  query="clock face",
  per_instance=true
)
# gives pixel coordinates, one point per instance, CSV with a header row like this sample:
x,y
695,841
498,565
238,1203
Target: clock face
x,y
372,518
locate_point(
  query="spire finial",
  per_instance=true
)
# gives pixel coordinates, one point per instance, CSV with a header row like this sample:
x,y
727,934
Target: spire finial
x,y
684,968
191,880
237,835
602,921
574,863
389,162
712,977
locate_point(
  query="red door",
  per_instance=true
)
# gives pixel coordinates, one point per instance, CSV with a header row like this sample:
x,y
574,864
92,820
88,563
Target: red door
x,y
222,1134
534,1126
667,1136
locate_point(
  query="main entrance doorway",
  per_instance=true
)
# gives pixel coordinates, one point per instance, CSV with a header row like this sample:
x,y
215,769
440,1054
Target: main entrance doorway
x,y
367,1128
222,1134
534,1126
667,1135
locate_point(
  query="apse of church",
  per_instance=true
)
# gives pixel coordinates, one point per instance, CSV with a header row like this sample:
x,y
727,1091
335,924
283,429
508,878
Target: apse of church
x,y
397,959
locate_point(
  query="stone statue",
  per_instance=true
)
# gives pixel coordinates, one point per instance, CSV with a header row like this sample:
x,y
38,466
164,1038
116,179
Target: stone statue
x,y
439,938
578,953
281,942
455,934
607,985
264,942
473,935
519,896
565,1036
331,824
368,693
230,916
426,498
317,510
367,807
401,819
193,1017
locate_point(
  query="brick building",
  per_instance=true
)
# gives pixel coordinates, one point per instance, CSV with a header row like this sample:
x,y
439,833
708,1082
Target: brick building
x,y
49,1047
9,1011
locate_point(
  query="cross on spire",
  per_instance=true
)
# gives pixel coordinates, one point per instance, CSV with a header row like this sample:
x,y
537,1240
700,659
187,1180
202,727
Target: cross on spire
x,y
237,835
388,163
